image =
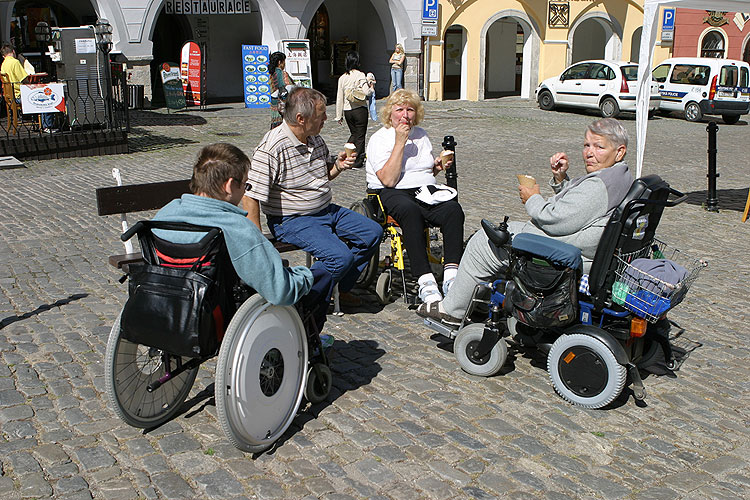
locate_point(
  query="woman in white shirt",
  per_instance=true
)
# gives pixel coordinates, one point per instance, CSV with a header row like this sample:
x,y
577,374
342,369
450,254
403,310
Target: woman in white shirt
x,y
351,104
399,162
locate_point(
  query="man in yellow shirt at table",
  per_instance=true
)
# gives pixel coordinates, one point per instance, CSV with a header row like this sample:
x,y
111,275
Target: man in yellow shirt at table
x,y
16,75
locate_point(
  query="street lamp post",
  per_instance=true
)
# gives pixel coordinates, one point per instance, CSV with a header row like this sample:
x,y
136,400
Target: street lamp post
x,y
103,33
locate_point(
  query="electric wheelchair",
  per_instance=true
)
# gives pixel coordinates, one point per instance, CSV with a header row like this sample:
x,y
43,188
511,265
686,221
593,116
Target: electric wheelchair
x,y
592,343
192,307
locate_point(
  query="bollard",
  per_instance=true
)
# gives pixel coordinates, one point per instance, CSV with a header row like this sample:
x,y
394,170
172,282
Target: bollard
x,y
451,177
712,202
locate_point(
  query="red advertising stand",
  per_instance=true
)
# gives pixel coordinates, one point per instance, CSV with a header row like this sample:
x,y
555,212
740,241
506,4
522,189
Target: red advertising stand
x,y
192,74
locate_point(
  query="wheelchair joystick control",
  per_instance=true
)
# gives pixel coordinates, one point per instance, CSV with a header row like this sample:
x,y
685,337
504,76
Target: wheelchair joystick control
x,y
499,235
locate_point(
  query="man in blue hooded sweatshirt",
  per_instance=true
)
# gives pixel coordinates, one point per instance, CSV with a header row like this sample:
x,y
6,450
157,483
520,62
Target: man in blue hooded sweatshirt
x,y
218,185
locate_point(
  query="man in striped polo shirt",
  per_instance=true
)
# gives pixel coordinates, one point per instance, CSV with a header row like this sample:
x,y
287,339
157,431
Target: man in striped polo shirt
x,y
289,179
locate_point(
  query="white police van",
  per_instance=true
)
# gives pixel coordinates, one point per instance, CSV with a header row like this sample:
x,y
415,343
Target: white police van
x,y
699,86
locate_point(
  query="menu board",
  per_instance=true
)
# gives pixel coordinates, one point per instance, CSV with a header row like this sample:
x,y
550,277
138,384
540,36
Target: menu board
x,y
298,61
255,77
170,79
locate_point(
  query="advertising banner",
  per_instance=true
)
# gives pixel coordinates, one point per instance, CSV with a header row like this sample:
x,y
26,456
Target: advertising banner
x,y
298,61
42,98
170,79
190,73
255,77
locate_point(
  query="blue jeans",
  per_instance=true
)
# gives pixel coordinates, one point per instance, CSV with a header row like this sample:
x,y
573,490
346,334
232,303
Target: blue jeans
x,y
371,107
342,240
396,76
315,302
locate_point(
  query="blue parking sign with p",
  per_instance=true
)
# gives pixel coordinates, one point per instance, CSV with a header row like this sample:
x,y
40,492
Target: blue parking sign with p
x,y
668,20
430,9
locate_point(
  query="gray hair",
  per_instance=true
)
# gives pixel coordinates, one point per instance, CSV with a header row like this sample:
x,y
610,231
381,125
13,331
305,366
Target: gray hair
x,y
303,101
611,129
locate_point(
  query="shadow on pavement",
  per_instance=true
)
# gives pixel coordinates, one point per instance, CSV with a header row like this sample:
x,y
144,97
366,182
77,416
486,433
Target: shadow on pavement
x,y
144,117
729,199
44,307
141,140
353,365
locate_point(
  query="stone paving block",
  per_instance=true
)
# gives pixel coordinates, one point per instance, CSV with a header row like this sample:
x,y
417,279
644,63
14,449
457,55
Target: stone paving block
x,y
219,484
68,485
11,398
374,472
723,464
266,489
34,485
178,443
172,486
94,458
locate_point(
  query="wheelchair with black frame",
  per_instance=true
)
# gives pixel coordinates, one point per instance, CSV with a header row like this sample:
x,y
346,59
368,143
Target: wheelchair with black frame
x,y
186,305
592,343
394,262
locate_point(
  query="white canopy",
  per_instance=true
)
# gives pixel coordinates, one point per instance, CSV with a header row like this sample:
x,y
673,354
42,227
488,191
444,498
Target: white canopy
x,y
648,40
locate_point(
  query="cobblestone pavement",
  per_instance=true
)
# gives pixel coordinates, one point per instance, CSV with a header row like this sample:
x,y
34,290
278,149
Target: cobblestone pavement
x,y
403,420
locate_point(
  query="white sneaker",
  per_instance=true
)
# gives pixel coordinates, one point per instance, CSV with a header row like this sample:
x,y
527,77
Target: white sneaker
x,y
429,292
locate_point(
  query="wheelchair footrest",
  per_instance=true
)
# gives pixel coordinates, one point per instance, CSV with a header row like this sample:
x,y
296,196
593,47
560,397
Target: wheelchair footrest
x,y
442,329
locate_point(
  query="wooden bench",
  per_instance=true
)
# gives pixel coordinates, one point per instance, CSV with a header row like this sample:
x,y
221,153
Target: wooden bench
x,y
142,197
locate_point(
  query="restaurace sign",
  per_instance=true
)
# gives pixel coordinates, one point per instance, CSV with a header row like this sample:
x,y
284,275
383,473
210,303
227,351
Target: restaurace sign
x,y
207,7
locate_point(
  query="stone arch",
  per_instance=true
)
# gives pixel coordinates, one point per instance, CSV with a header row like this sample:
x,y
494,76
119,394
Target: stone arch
x,y
532,43
613,33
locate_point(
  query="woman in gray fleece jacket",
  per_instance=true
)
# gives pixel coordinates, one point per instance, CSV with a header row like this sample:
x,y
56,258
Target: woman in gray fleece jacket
x,y
576,214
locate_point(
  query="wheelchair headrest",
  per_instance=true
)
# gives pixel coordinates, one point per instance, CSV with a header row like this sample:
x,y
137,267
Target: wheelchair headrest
x,y
549,249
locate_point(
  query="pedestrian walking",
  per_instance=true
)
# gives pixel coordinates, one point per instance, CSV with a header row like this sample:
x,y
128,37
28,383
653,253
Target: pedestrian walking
x,y
351,104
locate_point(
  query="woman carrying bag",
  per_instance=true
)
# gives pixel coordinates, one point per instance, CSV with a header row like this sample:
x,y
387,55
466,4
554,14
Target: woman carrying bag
x,y
351,104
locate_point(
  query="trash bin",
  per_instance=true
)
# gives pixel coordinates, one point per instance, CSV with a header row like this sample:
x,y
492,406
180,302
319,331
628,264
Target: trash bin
x,y
135,96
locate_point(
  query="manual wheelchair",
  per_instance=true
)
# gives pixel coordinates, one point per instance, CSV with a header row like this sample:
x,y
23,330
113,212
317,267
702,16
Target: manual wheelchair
x,y
269,356
612,332
372,208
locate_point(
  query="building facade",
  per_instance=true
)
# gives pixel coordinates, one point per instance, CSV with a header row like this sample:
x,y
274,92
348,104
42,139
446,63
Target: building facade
x,y
150,32
490,48
483,48
702,33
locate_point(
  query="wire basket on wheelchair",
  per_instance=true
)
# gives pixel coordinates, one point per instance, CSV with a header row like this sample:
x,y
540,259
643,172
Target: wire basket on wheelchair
x,y
651,282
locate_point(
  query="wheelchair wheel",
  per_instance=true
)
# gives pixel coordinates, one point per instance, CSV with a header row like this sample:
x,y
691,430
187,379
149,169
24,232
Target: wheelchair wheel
x,y
367,276
261,374
584,371
384,288
129,368
466,343
318,388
